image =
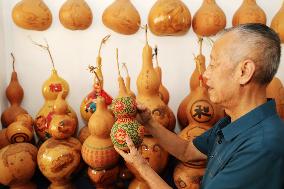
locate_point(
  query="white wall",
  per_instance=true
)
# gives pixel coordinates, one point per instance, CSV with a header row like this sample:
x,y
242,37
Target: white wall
x,y
73,51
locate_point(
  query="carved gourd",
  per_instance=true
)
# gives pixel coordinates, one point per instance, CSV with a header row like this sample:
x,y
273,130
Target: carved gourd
x,y
249,12
32,15
75,15
15,95
122,17
169,17
209,19
278,23
97,150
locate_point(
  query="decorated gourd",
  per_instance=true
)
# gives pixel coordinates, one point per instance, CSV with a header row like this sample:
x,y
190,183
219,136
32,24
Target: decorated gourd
x,y
88,105
195,79
122,17
50,90
148,84
32,15
278,23
169,17
75,15
125,109
249,12
209,19
21,130
15,94
18,165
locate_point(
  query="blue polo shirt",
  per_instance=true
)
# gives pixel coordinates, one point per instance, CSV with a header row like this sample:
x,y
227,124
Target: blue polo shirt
x,y
247,153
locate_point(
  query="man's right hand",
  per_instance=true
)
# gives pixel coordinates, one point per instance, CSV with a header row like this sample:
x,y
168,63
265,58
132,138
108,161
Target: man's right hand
x,y
144,114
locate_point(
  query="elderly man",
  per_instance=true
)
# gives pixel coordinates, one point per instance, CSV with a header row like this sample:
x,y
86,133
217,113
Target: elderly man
x,y
246,148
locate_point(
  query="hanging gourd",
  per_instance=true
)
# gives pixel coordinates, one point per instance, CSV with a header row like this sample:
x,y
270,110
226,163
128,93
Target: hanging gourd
x,y
15,94
124,108
75,15
88,105
122,17
169,17
195,79
32,15
209,19
278,23
50,90
249,12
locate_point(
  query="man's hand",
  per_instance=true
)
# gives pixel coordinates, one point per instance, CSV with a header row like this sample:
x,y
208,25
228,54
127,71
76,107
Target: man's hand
x,y
144,114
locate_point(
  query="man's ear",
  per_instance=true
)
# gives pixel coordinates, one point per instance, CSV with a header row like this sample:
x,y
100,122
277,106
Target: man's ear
x,y
247,69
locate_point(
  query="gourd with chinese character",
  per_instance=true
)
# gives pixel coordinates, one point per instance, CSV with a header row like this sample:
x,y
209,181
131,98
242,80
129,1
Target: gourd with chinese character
x,y
209,19
169,17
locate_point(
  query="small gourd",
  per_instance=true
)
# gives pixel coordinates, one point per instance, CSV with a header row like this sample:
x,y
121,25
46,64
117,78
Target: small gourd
x,y
278,23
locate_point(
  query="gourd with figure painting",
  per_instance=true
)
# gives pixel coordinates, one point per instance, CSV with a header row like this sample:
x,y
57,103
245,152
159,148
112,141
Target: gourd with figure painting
x,y
97,150
122,17
169,17
15,94
148,84
209,19
61,148
18,165
249,12
277,23
124,108
50,90
195,79
32,15
75,15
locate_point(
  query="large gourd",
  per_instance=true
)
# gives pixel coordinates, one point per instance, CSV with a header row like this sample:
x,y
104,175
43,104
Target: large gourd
x,y
122,17
15,94
32,15
75,15
169,17
249,12
209,19
278,23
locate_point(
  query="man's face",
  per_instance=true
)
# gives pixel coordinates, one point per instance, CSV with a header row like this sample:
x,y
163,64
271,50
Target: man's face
x,y
221,72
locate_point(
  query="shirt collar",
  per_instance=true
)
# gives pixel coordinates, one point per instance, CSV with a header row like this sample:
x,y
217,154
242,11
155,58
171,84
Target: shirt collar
x,y
231,129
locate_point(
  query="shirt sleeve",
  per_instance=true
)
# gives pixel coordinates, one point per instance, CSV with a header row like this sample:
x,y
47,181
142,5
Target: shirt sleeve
x,y
248,169
205,141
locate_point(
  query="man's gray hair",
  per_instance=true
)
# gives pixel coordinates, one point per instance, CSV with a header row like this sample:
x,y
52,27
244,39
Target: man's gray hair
x,y
263,47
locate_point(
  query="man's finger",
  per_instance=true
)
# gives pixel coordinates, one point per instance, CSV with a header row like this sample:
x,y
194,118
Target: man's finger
x,y
121,152
129,143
